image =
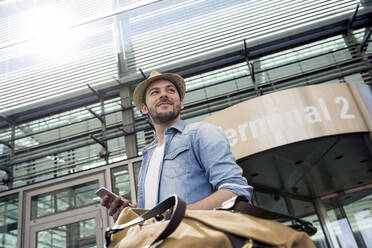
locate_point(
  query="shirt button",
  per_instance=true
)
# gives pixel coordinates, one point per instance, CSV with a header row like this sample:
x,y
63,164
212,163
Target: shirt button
x,y
140,197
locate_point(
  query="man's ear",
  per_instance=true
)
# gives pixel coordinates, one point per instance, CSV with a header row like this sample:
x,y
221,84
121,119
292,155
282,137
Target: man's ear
x,y
181,105
144,109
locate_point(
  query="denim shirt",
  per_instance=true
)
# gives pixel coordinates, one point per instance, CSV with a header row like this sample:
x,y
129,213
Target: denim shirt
x,y
197,161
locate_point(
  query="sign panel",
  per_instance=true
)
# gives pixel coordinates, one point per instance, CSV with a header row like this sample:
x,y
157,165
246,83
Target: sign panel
x,y
289,116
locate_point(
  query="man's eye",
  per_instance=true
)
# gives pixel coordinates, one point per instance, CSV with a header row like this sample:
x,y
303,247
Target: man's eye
x,y
171,90
153,92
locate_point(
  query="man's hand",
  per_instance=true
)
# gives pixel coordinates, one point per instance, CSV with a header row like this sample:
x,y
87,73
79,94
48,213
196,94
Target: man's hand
x,y
116,206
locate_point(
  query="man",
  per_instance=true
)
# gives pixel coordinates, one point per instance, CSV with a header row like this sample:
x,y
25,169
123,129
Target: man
x,y
191,160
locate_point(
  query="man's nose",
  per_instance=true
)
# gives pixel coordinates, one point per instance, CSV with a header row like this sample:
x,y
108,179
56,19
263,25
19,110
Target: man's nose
x,y
164,93
164,96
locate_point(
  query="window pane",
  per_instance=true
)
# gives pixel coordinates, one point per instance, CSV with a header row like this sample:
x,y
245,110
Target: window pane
x,y
341,228
351,217
8,221
359,214
79,234
64,199
136,168
306,211
120,181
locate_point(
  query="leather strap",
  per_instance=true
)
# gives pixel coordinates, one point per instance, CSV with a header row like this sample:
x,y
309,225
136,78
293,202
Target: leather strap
x,y
236,241
242,204
242,242
175,204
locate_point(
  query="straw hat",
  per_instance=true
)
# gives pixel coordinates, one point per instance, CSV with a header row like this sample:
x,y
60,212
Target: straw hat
x,y
140,90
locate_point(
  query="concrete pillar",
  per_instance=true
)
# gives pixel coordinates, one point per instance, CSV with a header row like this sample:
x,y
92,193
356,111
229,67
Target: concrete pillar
x,y
128,122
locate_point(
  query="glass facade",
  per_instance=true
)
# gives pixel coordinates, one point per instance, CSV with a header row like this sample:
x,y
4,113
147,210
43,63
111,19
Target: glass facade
x,y
62,64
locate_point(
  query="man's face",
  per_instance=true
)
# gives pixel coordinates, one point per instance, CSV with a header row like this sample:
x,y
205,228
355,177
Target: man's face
x,y
163,102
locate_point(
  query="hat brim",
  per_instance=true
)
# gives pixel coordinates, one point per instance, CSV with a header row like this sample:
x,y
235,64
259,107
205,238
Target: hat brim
x,y
141,88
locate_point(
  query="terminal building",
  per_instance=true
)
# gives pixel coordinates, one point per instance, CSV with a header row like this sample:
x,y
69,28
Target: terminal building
x,y
288,81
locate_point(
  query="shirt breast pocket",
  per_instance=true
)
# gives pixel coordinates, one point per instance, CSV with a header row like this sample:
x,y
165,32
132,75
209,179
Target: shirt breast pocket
x,y
177,162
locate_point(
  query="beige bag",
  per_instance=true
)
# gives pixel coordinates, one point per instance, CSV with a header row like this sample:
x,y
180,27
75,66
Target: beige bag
x,y
229,228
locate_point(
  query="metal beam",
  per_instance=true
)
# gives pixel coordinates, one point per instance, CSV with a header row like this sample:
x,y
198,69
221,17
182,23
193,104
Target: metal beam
x,y
6,144
4,168
103,142
118,81
99,141
122,129
95,115
352,19
367,35
99,95
7,119
250,68
143,74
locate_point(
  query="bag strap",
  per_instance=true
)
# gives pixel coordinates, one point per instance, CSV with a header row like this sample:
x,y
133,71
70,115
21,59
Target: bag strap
x,y
175,217
241,204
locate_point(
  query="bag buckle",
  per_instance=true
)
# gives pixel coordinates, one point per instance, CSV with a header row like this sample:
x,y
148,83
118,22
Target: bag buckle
x,y
108,233
248,244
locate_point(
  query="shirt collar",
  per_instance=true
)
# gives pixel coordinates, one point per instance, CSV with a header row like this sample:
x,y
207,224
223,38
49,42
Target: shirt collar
x,y
179,126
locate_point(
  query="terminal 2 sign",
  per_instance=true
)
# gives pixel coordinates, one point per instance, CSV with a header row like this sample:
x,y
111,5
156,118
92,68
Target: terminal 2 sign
x,y
294,115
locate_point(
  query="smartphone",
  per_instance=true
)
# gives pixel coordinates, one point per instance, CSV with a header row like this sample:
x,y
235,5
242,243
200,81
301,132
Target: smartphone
x,y
101,192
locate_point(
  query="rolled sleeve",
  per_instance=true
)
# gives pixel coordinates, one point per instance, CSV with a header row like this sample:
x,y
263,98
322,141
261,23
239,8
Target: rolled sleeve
x,y
238,189
213,152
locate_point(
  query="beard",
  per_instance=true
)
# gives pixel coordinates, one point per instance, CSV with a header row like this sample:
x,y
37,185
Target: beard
x,y
161,118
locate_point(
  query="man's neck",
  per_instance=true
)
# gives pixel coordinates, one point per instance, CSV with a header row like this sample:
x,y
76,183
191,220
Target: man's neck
x,y
161,128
